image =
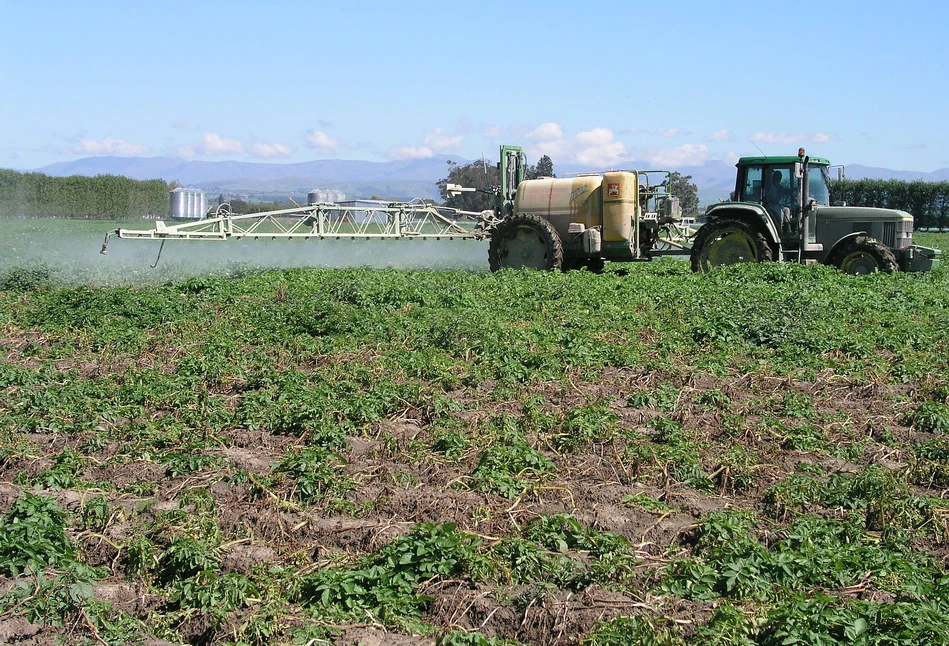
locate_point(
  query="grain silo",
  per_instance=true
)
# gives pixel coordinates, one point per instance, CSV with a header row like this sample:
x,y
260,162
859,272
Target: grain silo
x,y
187,203
324,195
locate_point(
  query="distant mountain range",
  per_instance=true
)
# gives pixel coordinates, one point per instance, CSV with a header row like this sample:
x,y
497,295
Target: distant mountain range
x,y
392,180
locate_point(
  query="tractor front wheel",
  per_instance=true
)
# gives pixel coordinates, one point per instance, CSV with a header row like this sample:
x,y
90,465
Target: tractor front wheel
x,y
525,241
863,255
728,242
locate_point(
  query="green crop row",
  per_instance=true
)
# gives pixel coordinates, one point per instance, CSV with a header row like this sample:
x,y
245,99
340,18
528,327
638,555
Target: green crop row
x,y
476,457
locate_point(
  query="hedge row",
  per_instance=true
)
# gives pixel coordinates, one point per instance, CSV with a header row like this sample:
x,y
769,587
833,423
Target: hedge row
x,y
105,197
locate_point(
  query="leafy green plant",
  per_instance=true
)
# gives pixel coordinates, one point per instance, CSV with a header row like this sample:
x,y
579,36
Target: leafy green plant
x,y
314,472
637,630
449,439
187,556
793,403
931,467
65,472
714,399
217,594
458,638
804,437
383,584
511,468
736,469
33,536
585,424
26,279
792,495
191,460
930,417
96,514
648,503
728,626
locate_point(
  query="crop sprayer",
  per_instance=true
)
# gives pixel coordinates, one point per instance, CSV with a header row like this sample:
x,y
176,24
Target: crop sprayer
x,y
780,210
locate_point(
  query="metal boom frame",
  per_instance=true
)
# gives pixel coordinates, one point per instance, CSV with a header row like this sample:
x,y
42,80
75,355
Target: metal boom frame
x,y
395,220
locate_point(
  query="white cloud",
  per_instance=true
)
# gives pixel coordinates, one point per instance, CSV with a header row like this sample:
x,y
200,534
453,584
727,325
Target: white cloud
x,y
321,140
410,152
491,132
685,155
670,132
784,138
263,150
110,146
594,147
214,144
724,136
438,141
185,151
546,132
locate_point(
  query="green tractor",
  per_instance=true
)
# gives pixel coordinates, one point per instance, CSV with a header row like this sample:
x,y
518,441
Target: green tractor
x,y
781,210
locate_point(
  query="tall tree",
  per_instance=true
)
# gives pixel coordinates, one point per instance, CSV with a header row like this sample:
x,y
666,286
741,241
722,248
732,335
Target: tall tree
x,y
477,175
687,192
543,168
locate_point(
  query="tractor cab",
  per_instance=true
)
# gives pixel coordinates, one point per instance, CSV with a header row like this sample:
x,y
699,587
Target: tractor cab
x,y
776,184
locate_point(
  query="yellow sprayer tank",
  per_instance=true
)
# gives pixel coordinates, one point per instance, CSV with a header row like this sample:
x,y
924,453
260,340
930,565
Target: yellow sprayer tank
x,y
562,201
620,201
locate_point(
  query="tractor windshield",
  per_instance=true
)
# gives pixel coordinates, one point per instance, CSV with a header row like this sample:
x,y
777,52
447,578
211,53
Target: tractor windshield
x,y
817,186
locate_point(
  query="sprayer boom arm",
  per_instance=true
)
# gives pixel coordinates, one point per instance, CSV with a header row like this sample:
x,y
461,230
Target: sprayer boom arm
x,y
396,220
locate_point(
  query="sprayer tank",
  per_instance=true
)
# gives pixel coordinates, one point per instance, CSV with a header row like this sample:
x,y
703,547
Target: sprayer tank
x,y
609,201
562,201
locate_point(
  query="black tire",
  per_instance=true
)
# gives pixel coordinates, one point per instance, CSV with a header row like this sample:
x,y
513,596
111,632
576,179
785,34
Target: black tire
x,y
728,242
863,255
525,241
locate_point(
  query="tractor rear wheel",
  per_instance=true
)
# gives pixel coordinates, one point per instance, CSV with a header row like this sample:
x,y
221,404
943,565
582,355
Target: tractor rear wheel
x,y
863,255
728,242
525,241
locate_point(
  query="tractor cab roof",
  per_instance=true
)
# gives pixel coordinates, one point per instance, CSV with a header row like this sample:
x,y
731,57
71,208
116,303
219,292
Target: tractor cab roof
x,y
778,160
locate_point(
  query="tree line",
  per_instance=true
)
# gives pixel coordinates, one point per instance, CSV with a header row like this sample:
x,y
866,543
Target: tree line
x,y
928,202
103,197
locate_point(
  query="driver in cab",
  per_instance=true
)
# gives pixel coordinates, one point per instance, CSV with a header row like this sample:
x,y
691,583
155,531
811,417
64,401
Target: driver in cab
x,y
776,199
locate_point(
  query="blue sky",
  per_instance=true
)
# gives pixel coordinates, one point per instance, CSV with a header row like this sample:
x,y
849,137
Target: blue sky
x,y
602,84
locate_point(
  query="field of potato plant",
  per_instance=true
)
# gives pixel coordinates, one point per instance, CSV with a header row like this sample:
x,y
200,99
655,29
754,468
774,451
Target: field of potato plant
x,y
460,458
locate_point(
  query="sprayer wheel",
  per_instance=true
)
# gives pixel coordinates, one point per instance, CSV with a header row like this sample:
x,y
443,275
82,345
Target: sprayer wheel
x,y
525,241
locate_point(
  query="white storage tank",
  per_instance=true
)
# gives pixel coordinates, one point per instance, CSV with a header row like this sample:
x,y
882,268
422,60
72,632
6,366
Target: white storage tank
x,y
318,195
187,203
